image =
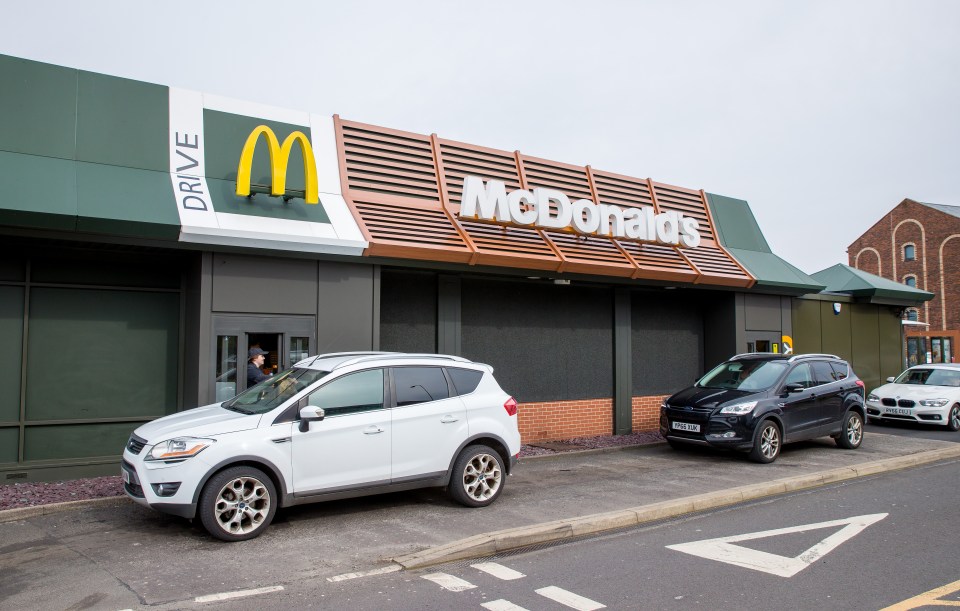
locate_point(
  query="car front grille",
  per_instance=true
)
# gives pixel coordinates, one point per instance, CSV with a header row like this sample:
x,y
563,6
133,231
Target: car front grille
x,y
132,488
889,402
906,403
135,444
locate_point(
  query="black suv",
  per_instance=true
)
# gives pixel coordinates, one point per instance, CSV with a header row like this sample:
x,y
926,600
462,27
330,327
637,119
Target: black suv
x,y
759,401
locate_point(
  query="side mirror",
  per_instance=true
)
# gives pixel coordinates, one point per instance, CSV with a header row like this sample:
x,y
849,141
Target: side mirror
x,y
891,379
792,388
310,414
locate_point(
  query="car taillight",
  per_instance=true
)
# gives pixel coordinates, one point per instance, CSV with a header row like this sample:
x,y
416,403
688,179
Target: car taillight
x,y
863,389
511,406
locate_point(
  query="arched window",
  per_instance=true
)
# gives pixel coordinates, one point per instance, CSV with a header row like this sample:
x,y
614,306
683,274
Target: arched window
x,y
909,252
912,315
910,281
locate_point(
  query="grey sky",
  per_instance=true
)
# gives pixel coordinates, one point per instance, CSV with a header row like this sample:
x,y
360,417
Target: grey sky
x,y
823,115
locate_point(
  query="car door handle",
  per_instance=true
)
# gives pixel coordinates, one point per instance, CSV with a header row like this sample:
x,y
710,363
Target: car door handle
x,y
372,430
448,419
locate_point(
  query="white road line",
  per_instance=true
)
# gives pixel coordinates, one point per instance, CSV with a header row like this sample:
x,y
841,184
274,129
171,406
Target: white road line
x,y
238,594
387,569
501,605
449,582
569,599
498,570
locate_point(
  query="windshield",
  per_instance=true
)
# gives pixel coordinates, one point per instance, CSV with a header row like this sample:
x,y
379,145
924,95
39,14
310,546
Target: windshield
x,y
273,391
744,375
930,377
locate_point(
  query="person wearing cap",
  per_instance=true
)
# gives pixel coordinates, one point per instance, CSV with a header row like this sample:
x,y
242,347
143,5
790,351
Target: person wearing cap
x,y
254,362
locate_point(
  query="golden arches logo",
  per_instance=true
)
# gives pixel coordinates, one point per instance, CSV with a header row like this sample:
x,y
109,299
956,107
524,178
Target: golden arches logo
x,y
279,157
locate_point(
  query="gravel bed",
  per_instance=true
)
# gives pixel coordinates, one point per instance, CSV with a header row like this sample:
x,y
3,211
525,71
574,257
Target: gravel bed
x,y
29,494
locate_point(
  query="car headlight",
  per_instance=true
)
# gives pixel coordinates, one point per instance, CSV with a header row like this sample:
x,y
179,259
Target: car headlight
x,y
179,448
934,402
739,408
872,397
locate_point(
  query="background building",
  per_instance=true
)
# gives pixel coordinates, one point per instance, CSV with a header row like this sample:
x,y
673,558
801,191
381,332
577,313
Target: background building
x,y
916,244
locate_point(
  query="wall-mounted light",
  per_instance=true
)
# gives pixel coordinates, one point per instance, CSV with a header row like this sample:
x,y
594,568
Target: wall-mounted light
x,y
560,281
836,308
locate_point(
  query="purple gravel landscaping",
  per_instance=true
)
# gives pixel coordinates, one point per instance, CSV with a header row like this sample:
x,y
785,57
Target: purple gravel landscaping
x,y
28,494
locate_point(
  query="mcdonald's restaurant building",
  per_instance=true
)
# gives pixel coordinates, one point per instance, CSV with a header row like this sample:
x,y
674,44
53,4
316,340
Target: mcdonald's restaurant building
x,y
153,235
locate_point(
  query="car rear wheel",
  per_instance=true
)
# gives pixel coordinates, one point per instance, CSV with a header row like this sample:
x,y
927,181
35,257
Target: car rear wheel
x,y
851,435
478,477
238,504
953,419
766,444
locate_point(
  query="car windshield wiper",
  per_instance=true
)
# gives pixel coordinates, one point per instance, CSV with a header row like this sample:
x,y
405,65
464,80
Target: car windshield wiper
x,y
234,408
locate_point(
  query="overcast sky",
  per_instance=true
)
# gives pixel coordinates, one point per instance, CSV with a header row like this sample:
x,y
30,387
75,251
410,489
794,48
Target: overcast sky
x,y
823,115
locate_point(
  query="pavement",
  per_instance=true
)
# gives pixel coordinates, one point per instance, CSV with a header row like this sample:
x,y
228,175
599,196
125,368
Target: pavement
x,y
118,553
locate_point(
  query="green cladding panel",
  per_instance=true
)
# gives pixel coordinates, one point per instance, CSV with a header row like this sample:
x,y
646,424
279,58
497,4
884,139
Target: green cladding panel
x,y
806,326
38,108
9,444
37,192
864,321
224,135
101,354
890,330
126,201
72,441
835,330
122,122
11,330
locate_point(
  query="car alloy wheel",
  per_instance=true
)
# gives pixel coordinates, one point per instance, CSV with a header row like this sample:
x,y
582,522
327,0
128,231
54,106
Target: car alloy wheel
x,y
766,446
237,504
953,420
477,477
851,434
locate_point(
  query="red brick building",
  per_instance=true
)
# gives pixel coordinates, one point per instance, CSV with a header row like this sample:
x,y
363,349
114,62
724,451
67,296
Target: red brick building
x,y
918,244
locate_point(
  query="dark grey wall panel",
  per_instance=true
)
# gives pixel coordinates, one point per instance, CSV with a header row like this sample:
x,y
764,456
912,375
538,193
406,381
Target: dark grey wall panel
x,y
762,312
719,328
667,341
408,311
545,342
348,315
197,365
264,285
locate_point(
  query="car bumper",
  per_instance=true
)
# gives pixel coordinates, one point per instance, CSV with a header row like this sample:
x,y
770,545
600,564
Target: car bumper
x,y
168,488
923,415
729,432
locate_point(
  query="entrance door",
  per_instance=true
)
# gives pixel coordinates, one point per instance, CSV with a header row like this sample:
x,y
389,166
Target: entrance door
x,y
284,340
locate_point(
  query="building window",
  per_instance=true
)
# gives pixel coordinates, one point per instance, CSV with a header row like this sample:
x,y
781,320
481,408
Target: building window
x,y
912,315
909,252
910,281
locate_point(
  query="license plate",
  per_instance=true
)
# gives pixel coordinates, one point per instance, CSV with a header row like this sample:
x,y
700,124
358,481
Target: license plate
x,y
901,411
125,475
685,426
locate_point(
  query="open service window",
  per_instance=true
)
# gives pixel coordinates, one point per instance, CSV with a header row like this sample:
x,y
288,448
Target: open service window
x,y
276,341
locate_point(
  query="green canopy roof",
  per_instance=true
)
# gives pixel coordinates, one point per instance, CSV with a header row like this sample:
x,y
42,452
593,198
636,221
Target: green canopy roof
x,y
739,233
874,289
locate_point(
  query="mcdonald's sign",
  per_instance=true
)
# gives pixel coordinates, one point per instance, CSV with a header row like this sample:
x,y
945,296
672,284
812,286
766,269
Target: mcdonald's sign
x,y
279,157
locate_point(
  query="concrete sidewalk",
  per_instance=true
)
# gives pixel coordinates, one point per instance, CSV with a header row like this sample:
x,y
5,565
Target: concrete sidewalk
x,y
163,559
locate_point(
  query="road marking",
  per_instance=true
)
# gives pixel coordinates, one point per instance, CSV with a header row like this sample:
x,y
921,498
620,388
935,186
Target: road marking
x,y
722,549
449,582
498,570
382,571
237,594
569,599
928,599
501,605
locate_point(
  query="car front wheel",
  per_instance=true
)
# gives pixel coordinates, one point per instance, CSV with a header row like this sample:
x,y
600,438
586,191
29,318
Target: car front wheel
x,y
478,477
238,504
953,419
851,435
766,444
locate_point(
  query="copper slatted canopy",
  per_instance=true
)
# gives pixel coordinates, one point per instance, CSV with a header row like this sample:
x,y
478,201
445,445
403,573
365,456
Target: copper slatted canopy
x,y
404,190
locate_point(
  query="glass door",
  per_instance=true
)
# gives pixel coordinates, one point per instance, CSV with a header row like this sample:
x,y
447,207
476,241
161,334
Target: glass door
x,y
250,348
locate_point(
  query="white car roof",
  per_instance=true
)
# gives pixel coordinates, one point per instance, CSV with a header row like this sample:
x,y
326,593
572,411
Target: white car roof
x,y
336,360
936,366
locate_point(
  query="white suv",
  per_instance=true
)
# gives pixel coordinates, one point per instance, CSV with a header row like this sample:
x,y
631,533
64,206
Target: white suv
x,y
334,426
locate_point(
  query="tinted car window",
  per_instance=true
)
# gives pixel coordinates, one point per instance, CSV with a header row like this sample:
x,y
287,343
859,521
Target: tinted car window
x,y
419,385
822,373
801,375
465,380
841,371
355,392
743,375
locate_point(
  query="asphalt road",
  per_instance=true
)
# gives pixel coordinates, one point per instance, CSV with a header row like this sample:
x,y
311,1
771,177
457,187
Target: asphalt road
x,y
915,430
889,538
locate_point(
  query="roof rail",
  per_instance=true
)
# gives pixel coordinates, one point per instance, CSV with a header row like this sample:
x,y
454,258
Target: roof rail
x,y
753,354
401,355
342,354
814,355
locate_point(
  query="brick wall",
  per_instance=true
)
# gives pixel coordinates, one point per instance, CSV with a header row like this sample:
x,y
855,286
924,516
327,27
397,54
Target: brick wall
x,y
556,420
936,239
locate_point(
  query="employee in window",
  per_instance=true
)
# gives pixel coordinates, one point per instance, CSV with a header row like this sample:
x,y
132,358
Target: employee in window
x,y
254,362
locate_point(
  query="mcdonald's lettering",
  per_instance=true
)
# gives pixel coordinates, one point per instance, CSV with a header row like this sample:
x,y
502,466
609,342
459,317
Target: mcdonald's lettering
x,y
279,157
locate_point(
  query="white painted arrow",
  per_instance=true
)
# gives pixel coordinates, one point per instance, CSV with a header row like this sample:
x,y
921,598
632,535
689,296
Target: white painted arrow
x,y
723,550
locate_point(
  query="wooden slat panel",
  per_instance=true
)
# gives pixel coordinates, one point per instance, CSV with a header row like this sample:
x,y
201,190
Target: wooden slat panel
x,y
622,190
571,180
461,160
385,161
591,254
687,202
